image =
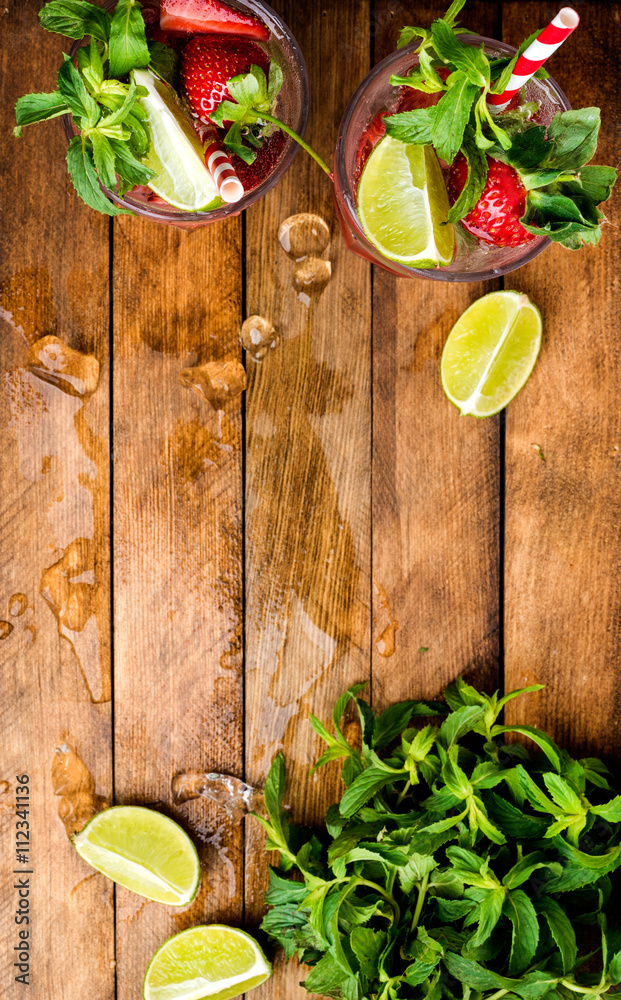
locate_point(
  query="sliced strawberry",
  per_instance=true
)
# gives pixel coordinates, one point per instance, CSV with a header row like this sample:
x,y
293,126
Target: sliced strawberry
x,y
208,63
496,216
205,16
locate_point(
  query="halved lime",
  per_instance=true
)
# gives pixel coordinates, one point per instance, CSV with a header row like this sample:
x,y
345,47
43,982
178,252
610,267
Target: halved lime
x,y
490,352
176,153
403,205
215,961
144,851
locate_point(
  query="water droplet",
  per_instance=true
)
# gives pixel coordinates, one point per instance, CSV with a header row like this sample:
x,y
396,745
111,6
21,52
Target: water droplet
x,y
216,381
17,605
230,793
258,336
72,780
75,373
69,589
304,234
311,275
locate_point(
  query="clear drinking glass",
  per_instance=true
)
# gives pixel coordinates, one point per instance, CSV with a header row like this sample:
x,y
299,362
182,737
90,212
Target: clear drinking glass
x,y
473,261
292,108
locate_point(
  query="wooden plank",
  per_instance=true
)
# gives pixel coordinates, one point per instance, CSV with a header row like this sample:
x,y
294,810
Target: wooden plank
x,y
54,660
435,475
308,462
563,546
177,552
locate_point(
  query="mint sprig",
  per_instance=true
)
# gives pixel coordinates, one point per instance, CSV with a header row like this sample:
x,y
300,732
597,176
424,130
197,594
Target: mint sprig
x,y
105,109
454,863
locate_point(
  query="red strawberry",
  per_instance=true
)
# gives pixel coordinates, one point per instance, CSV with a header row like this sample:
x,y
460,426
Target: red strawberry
x,y
208,62
496,216
204,16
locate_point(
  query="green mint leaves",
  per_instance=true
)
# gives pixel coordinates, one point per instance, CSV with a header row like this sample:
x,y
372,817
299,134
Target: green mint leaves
x,y
563,192
128,47
454,863
113,133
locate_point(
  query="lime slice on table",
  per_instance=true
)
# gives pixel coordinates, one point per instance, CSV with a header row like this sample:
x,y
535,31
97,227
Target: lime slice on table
x,y
490,352
403,205
143,851
176,153
215,961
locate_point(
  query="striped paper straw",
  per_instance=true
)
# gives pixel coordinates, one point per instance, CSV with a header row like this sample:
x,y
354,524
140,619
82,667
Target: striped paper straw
x,y
566,21
221,168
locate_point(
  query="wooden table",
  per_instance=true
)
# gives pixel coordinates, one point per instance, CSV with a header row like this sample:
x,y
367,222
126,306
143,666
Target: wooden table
x,y
241,569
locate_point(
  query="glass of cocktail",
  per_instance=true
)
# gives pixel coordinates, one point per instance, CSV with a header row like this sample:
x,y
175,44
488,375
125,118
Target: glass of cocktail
x,y
362,128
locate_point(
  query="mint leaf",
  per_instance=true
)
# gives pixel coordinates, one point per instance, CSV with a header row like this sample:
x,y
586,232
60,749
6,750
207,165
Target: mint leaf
x,y
452,115
104,159
127,166
468,59
76,96
368,945
396,717
477,177
560,929
75,19
412,126
165,62
84,178
128,47
525,937
39,107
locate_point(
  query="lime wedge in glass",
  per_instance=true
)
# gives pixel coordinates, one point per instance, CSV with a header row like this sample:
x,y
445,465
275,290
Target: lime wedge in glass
x,y
403,205
176,153
215,961
490,352
143,851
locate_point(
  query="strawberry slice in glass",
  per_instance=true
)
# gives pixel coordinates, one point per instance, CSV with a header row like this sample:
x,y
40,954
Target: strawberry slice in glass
x,y
207,16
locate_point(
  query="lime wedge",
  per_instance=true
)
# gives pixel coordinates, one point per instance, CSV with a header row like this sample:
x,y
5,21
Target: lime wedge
x,y
176,153
144,851
490,352
403,205
216,961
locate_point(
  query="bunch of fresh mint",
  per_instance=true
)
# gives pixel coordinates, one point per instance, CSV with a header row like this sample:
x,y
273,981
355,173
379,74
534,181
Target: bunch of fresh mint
x,y
105,110
563,194
455,866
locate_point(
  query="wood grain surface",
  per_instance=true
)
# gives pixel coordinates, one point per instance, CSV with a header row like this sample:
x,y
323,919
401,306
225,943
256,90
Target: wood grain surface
x,y
435,474
563,511
177,558
54,663
339,522
308,433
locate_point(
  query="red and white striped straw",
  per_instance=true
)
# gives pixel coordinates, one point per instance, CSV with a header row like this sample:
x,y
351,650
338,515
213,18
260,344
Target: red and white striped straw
x,y
221,168
566,21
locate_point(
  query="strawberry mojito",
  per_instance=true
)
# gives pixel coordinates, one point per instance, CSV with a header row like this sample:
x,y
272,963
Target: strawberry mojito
x,y
183,111
450,166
